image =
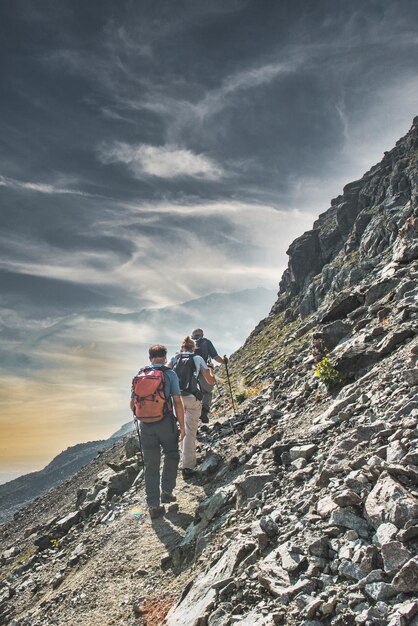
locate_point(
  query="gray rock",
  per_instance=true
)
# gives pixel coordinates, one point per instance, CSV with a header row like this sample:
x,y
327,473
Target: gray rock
x,y
344,517
389,501
290,559
380,591
347,497
210,507
350,570
302,452
320,547
269,526
211,463
344,304
406,580
200,597
386,532
394,555
121,481
248,486
65,523
273,577
411,376
334,332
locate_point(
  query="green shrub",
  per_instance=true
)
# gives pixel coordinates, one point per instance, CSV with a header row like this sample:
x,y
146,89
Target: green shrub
x,y
328,374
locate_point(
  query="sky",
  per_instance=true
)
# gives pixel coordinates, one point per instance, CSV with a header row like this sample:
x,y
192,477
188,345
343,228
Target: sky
x,y
154,152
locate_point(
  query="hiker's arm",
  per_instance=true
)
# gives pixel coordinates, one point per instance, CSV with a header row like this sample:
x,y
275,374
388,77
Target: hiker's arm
x,y
179,409
219,359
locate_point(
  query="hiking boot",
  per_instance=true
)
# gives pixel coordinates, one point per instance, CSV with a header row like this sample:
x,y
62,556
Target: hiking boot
x,y
188,473
156,511
167,497
204,415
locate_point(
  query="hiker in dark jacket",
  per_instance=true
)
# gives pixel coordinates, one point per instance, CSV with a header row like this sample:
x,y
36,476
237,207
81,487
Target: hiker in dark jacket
x,y
161,434
190,368
206,349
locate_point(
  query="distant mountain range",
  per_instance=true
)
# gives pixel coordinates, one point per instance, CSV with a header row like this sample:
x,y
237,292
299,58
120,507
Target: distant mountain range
x,y
20,491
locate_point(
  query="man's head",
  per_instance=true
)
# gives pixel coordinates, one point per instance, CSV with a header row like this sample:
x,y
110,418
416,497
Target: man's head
x,y
157,353
197,333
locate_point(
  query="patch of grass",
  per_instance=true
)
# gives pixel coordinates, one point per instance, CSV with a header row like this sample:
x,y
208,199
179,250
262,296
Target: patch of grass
x,y
249,393
20,560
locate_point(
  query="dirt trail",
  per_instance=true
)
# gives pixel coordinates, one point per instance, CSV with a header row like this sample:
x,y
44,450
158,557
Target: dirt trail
x,y
123,576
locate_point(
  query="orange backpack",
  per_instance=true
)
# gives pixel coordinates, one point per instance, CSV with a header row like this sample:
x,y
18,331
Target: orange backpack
x,y
150,402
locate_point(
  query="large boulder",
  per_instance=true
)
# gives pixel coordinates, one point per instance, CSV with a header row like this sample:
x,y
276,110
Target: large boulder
x,y
249,485
343,304
304,258
389,501
196,604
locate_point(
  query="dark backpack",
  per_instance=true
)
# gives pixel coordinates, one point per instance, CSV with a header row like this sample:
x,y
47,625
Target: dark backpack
x,y
185,369
150,402
202,348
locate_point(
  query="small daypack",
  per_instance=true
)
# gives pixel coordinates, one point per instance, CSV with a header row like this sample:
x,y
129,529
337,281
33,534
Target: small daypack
x,y
186,371
150,403
202,348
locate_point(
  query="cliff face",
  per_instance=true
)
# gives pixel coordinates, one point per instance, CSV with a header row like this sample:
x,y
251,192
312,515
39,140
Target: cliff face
x,y
355,235
305,509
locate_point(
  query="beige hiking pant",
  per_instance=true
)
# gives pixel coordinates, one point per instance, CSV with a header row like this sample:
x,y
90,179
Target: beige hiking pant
x,y
192,410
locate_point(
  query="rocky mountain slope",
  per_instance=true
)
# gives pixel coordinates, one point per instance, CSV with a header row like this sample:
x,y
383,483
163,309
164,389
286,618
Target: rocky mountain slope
x,y
306,509
20,491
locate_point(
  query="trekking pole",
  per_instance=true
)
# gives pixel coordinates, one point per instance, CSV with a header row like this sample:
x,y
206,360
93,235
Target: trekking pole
x,y
229,385
140,453
221,395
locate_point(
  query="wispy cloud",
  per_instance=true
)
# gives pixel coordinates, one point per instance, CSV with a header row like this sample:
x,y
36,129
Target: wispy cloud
x,y
47,188
249,78
228,231
166,161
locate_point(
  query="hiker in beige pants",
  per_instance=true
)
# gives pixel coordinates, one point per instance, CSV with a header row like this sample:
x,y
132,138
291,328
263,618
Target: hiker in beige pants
x,y
192,410
189,368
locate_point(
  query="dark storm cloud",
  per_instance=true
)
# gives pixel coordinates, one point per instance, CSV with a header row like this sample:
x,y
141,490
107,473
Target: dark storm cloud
x,y
257,92
186,102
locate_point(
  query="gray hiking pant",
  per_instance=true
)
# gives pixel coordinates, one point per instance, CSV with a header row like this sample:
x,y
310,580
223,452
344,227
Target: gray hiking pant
x,y
207,392
154,437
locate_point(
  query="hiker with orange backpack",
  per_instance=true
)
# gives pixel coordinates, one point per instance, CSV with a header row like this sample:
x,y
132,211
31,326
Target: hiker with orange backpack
x,y
155,395
190,368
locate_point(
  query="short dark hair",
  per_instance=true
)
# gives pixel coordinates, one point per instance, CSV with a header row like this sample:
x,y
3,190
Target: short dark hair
x,y
157,350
